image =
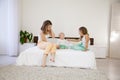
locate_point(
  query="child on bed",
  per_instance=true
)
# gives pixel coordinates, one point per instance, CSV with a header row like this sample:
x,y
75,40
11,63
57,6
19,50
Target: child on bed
x,y
49,48
61,42
84,40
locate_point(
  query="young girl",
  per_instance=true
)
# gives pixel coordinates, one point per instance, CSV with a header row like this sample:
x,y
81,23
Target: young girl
x,y
46,31
84,40
84,37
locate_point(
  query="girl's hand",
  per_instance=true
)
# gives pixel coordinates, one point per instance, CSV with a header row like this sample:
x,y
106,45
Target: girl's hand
x,y
68,39
58,47
49,31
86,50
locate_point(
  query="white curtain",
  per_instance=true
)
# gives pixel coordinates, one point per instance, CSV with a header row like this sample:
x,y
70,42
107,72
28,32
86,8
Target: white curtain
x,y
13,26
9,26
3,26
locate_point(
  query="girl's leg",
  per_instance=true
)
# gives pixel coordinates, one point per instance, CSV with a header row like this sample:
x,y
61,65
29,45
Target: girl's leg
x,y
44,60
47,50
53,51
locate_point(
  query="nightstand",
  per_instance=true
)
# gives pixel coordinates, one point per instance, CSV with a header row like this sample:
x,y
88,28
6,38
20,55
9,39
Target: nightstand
x,y
99,50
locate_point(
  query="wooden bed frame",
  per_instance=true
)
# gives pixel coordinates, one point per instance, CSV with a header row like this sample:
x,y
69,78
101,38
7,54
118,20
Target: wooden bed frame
x,y
35,39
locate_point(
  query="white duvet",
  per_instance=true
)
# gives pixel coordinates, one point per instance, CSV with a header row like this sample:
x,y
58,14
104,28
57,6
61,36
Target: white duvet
x,y
64,58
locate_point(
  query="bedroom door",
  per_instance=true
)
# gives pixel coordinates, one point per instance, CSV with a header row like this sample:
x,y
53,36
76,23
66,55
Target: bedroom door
x,y
115,32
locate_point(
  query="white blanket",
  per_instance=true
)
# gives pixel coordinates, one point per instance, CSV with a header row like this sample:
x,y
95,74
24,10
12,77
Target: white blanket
x,y
64,57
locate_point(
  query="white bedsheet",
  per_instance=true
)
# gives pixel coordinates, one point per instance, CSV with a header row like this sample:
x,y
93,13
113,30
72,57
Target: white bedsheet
x,y
64,57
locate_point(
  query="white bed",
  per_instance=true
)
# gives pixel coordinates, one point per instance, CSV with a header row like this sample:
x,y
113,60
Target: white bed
x,y
64,58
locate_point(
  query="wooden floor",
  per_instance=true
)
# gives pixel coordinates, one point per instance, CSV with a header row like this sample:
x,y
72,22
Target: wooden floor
x,y
110,66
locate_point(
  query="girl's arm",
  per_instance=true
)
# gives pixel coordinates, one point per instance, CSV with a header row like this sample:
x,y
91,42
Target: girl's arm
x,y
73,40
87,41
43,38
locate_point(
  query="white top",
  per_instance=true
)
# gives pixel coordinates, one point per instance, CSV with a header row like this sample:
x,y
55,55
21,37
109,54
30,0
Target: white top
x,y
61,42
84,41
39,37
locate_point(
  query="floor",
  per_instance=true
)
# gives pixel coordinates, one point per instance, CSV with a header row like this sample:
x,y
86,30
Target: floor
x,y
110,66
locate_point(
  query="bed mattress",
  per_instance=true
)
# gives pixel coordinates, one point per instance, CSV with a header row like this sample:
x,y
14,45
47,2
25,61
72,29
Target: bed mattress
x,y
63,58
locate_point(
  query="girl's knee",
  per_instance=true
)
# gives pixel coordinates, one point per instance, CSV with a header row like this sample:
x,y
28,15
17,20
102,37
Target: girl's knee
x,y
49,44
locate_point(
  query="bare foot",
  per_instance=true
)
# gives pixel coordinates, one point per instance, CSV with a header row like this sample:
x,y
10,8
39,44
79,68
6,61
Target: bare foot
x,y
52,60
43,66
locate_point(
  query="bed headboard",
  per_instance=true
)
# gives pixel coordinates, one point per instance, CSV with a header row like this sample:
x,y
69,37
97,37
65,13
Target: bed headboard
x,y
35,39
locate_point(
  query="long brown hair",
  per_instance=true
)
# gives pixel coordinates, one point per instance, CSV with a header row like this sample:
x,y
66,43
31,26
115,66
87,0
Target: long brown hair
x,y
83,30
45,26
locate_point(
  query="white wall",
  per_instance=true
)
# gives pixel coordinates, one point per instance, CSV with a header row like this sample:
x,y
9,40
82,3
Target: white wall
x,y
67,16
